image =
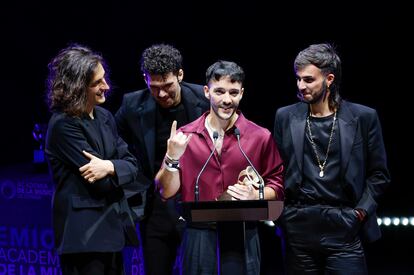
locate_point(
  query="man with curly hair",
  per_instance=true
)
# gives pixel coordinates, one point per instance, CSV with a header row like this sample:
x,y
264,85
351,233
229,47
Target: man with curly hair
x,y
144,120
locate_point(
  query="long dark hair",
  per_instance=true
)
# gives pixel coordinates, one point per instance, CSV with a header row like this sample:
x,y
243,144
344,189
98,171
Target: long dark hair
x,y
70,73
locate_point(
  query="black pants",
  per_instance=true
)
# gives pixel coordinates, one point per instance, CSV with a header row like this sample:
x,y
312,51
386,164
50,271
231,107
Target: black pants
x,y
198,255
161,237
108,263
322,240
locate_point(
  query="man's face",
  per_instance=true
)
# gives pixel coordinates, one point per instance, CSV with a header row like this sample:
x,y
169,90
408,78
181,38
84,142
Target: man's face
x,y
224,97
165,89
97,88
312,84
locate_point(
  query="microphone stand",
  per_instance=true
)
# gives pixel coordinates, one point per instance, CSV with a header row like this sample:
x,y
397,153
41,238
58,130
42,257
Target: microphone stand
x,y
196,188
261,183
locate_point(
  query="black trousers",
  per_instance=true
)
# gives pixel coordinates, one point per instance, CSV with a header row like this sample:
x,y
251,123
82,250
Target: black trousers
x,y
199,252
321,239
96,263
161,236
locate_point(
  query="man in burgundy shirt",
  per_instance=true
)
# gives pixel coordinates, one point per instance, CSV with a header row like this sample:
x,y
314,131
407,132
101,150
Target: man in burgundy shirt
x,y
189,148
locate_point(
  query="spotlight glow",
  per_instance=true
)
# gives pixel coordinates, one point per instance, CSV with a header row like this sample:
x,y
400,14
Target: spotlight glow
x,y
387,221
405,221
396,221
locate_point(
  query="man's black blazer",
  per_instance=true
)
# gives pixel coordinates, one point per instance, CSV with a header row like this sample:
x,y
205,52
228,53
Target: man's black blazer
x,y
136,120
363,158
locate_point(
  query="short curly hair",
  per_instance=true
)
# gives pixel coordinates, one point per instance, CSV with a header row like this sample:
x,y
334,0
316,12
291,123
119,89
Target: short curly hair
x,y
161,59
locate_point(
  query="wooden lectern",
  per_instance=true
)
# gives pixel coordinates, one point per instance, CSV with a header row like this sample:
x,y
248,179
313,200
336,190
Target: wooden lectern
x,y
231,217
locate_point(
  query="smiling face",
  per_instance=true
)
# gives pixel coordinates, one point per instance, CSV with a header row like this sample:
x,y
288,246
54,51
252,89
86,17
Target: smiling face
x,y
97,88
224,96
165,89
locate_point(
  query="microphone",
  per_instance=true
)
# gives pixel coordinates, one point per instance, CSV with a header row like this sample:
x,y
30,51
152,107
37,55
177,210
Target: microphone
x,y
261,183
196,191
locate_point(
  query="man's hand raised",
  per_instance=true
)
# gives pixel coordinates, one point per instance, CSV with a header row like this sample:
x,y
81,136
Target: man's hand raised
x,y
177,143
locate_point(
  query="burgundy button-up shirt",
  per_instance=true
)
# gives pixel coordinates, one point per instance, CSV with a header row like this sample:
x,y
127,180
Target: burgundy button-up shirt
x,y
223,170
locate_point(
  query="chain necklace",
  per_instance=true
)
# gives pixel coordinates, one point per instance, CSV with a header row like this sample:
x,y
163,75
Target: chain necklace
x,y
321,165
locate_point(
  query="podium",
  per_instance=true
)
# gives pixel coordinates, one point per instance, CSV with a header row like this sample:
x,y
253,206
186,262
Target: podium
x,y
231,218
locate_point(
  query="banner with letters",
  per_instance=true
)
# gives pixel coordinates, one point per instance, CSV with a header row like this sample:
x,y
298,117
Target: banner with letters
x,y
26,235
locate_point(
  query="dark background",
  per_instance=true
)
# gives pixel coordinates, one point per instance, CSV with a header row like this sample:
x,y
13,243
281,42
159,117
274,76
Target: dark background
x,y
372,38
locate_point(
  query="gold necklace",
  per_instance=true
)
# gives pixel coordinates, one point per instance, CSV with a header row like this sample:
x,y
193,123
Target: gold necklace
x,y
321,166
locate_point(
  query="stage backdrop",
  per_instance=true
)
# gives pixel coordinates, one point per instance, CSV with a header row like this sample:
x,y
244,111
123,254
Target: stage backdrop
x,y
26,236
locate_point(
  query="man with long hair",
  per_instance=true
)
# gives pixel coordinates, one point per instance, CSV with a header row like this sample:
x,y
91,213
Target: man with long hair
x,y
90,165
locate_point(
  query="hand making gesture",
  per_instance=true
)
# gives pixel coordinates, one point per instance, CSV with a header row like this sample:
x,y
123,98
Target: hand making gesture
x,y
177,143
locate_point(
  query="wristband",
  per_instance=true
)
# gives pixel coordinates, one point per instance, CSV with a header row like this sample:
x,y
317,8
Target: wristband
x,y
172,167
170,159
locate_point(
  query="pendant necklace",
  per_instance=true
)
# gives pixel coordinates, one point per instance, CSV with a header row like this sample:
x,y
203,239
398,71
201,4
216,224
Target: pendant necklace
x,y
321,165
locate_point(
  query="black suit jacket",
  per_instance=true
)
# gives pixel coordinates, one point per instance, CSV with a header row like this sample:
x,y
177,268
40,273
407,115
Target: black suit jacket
x,y
136,121
90,217
363,158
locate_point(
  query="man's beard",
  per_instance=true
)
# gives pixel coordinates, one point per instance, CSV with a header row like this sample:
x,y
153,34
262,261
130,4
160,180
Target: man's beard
x,y
234,107
320,95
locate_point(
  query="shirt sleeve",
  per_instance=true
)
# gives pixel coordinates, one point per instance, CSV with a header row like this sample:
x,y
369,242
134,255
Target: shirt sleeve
x,y
272,167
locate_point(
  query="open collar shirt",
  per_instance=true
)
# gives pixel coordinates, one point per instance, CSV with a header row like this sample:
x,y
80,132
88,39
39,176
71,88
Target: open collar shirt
x,y
223,170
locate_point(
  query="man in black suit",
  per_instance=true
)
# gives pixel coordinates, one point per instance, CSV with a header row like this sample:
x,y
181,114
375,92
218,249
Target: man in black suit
x,y
336,170
91,166
144,121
